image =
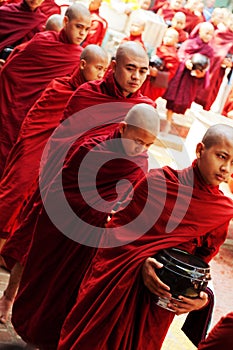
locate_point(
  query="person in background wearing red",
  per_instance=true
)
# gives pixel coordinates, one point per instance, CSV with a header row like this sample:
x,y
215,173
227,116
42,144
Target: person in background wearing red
x,y
157,80
99,25
183,87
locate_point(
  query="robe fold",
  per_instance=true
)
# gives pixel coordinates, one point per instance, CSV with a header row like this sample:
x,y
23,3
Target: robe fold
x,y
114,310
66,260
22,166
220,337
19,24
183,87
25,75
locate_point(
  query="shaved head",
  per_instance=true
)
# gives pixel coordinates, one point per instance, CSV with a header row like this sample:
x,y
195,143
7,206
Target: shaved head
x,y
131,48
217,134
77,10
145,117
54,22
93,52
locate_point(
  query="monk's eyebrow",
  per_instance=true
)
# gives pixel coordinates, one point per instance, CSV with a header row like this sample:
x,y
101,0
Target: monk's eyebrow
x,y
130,65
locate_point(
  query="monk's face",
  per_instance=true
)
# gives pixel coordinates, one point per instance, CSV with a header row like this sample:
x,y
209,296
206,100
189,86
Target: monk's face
x,y
130,72
206,33
94,69
170,38
33,4
135,140
77,28
216,162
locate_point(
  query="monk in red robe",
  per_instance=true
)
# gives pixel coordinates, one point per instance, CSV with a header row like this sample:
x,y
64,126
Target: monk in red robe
x,y
220,336
99,25
25,75
20,22
117,306
120,86
169,9
193,15
183,87
222,44
153,87
136,30
178,23
120,155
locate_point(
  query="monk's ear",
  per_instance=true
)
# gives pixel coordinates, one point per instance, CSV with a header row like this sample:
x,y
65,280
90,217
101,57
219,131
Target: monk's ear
x,y
65,21
200,147
82,64
122,127
113,65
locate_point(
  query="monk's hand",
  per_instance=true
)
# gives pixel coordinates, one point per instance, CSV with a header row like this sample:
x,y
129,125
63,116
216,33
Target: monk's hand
x,y
189,65
184,305
152,281
200,73
2,62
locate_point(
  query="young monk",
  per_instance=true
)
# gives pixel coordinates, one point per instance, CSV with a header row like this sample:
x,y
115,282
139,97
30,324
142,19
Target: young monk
x,y
26,74
54,22
99,25
178,23
137,27
183,87
168,53
116,305
122,154
120,86
20,22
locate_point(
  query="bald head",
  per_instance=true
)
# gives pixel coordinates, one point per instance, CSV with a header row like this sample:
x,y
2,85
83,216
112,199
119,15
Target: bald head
x,y
93,52
145,117
77,10
216,134
54,22
131,48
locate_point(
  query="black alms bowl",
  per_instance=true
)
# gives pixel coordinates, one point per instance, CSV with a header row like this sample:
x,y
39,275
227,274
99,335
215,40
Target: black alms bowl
x,y
184,273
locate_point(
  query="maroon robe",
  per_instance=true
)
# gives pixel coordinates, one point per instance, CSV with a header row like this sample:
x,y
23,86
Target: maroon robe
x,y
114,310
19,24
25,75
191,19
170,58
183,87
220,336
222,44
67,260
137,38
97,31
22,166
167,12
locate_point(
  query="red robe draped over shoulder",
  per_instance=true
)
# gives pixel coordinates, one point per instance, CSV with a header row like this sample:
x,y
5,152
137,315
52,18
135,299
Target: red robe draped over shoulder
x,y
67,260
191,19
220,336
25,75
114,310
171,62
222,44
22,166
183,87
19,24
